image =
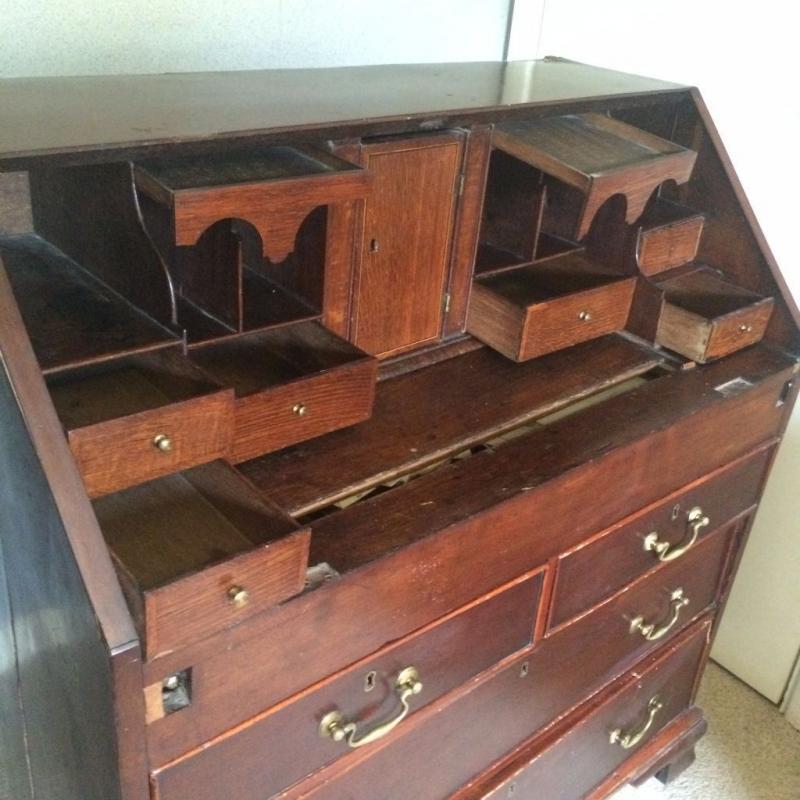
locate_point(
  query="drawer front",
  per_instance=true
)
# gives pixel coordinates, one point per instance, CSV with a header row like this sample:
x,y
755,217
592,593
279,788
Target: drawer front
x,y
664,532
303,409
479,727
223,595
555,324
123,452
738,330
570,766
263,758
660,249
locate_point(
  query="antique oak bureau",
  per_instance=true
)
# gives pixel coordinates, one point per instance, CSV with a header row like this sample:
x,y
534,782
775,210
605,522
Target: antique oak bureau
x,y
387,433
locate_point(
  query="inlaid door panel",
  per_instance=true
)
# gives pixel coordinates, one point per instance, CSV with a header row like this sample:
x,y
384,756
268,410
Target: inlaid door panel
x,y
408,221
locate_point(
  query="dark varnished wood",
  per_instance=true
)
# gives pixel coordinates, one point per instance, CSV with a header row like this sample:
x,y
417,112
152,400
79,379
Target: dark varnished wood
x,y
599,156
566,770
48,117
668,236
183,542
442,519
607,562
471,398
71,317
446,654
568,762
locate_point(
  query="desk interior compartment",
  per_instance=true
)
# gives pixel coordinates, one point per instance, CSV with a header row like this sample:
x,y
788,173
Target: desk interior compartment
x,y
667,236
245,234
140,417
291,384
198,551
591,157
705,317
542,307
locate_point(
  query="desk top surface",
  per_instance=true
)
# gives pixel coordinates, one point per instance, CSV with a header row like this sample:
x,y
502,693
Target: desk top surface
x,y
52,118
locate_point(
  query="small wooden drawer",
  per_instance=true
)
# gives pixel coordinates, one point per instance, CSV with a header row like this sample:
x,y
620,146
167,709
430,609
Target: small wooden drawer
x,y
200,551
610,732
539,308
274,190
261,757
704,317
668,236
291,383
665,531
141,417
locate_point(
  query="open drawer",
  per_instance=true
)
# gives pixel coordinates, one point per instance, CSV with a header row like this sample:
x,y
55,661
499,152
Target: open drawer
x,y
292,383
141,417
273,188
667,236
595,157
200,551
704,317
539,308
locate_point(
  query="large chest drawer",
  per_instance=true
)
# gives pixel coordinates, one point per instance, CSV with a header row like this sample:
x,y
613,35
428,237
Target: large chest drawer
x,y
284,745
473,733
663,532
569,765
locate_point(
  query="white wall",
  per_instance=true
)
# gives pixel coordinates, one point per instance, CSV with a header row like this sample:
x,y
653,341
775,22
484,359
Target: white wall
x,y
85,37
743,57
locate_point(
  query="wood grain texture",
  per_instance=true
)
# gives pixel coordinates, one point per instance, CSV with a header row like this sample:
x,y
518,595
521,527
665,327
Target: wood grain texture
x,y
71,317
472,397
273,191
565,771
93,215
705,317
182,542
543,307
444,521
404,256
568,762
668,237
605,563
447,654
465,232
600,156
278,374
114,415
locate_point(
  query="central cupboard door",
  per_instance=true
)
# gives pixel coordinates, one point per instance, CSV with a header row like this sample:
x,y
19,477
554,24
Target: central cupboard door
x,y
405,252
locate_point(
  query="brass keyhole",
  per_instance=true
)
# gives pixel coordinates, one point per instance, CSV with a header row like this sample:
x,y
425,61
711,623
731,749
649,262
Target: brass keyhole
x,y
370,681
374,245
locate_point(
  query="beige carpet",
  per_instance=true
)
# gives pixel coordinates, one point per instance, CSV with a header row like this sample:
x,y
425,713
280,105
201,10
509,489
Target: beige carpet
x,y
749,753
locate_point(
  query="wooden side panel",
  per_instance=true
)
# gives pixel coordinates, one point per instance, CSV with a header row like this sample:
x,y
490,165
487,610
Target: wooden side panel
x,y
65,681
406,245
15,779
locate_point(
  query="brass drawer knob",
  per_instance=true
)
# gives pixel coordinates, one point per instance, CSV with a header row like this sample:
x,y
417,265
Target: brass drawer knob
x,y
585,316
239,596
630,739
696,520
654,631
299,409
745,328
333,725
163,443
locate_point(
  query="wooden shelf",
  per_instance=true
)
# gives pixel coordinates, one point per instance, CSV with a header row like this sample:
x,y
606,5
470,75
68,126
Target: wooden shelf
x,y
598,156
73,318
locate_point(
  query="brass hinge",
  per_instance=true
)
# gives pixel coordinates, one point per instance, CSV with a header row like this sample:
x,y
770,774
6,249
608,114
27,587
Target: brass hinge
x,y
460,188
446,302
